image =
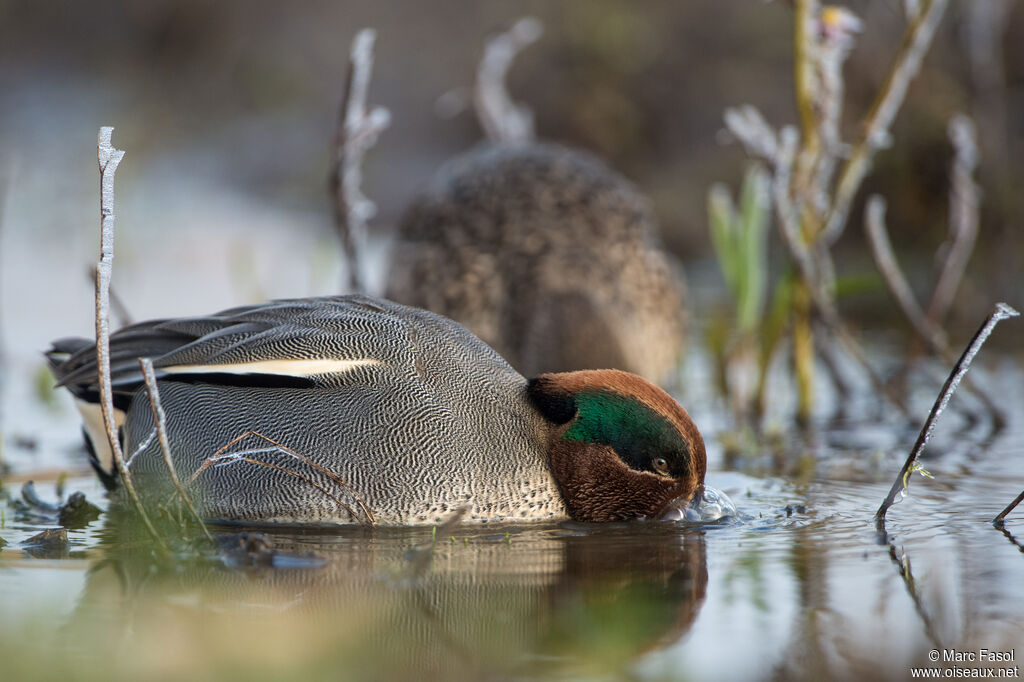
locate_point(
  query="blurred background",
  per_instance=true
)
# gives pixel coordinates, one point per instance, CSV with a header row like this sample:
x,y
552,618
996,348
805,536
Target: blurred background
x,y
227,110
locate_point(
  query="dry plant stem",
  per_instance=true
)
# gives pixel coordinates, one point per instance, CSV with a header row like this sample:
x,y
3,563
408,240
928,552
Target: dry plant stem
x,y
502,119
160,419
885,259
926,328
963,217
805,14
998,520
1001,312
108,159
916,40
356,132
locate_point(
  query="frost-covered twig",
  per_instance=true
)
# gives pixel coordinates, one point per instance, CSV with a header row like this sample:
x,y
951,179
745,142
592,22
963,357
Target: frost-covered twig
x,y
501,118
357,130
900,485
160,419
117,306
963,217
108,159
875,134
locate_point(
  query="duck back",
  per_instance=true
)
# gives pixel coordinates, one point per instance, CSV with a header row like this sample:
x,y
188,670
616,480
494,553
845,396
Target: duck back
x,y
547,255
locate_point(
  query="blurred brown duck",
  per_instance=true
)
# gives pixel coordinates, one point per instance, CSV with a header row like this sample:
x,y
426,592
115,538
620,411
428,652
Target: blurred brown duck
x,y
547,255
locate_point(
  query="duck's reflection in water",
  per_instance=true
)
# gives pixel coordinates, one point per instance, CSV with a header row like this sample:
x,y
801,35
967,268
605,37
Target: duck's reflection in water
x,y
399,603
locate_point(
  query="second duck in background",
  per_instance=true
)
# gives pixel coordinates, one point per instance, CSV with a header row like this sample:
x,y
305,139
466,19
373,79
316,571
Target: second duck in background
x,y
547,255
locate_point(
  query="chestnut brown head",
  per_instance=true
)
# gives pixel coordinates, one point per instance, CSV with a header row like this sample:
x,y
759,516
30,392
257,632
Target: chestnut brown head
x,y
620,447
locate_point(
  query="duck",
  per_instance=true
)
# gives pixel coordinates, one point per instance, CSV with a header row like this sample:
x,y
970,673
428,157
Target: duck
x,y
359,410
549,256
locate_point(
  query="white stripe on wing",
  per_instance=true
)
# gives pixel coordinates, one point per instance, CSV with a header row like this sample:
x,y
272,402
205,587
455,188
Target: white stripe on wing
x,y
298,367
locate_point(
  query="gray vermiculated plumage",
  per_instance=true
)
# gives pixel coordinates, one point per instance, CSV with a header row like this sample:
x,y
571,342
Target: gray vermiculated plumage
x,y
547,255
435,420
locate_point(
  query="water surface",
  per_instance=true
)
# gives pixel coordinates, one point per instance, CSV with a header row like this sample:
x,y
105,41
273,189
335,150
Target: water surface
x,y
800,586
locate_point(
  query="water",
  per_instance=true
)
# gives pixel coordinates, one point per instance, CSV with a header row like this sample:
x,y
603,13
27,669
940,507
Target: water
x,y
798,587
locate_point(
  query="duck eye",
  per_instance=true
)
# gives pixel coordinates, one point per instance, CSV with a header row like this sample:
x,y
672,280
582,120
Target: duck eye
x,y
660,465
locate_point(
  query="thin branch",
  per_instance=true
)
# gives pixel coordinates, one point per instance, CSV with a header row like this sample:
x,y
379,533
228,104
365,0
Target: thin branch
x,y
963,217
900,485
160,419
502,119
932,334
108,159
998,520
355,134
885,259
916,39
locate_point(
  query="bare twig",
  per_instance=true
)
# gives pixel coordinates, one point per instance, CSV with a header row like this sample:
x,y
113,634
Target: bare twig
x,y
932,334
998,520
356,133
108,159
165,448
885,259
502,119
875,135
900,485
963,217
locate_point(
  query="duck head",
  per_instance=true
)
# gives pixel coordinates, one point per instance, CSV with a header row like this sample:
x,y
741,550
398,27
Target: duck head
x,y
620,447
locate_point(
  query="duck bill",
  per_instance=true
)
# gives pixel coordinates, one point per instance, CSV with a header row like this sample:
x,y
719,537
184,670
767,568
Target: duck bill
x,y
705,505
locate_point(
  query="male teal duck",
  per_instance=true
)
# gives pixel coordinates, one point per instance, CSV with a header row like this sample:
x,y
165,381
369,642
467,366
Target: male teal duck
x,y
547,255
352,409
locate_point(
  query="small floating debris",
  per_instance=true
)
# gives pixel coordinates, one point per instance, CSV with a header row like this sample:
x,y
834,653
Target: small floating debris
x,y
51,538
76,512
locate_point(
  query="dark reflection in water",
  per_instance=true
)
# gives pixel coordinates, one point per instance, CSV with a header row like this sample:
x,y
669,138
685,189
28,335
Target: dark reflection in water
x,y
590,600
